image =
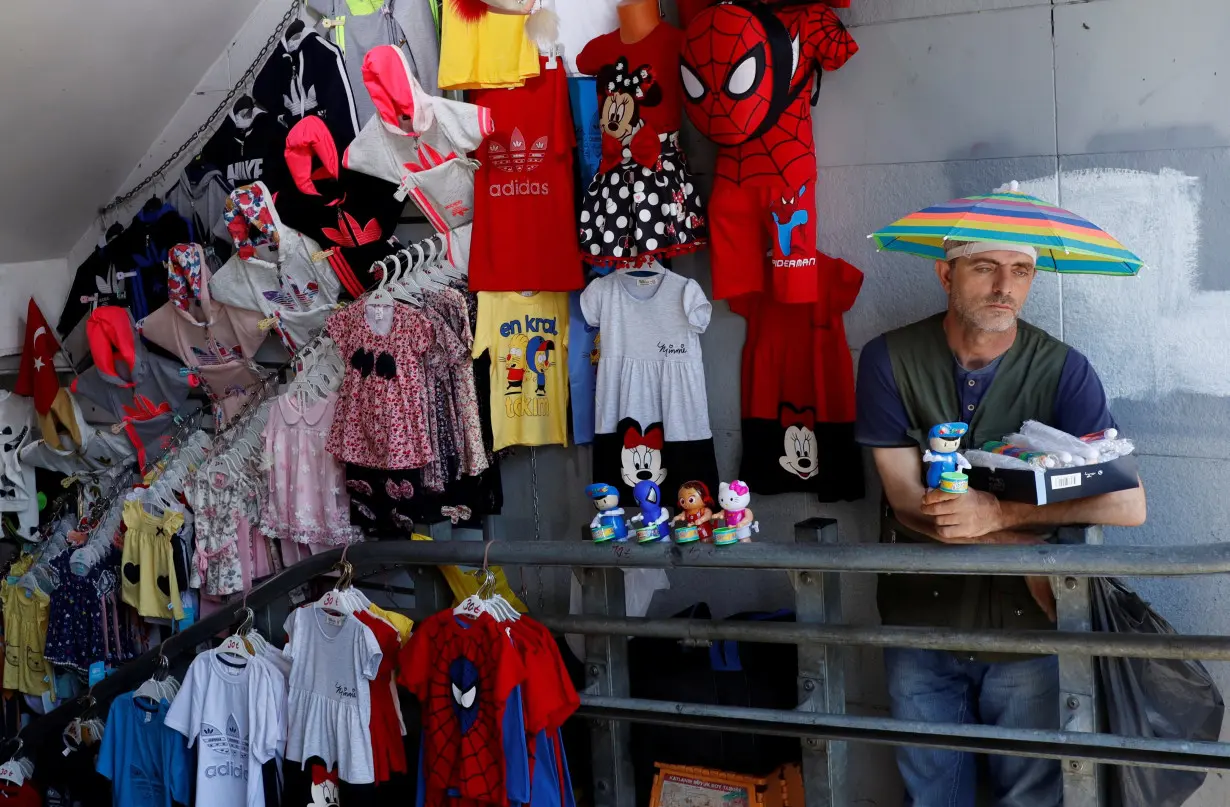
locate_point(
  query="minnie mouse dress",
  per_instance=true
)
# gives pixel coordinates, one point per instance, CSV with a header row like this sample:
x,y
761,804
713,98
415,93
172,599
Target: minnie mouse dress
x,y
642,203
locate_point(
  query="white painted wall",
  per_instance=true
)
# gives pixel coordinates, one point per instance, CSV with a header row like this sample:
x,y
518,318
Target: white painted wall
x,y
46,281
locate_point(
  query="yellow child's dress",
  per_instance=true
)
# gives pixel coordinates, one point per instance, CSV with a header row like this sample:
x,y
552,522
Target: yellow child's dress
x,y
147,564
25,633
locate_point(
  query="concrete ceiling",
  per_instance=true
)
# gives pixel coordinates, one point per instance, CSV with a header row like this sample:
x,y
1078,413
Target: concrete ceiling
x,y
87,87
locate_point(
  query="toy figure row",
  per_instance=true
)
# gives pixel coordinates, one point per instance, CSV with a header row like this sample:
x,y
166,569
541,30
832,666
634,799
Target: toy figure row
x,y
696,520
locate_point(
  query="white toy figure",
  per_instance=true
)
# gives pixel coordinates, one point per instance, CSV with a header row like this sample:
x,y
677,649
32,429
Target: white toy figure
x,y
734,499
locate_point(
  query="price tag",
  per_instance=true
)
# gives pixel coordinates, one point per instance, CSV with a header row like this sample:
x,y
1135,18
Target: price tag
x,y
472,607
12,772
331,600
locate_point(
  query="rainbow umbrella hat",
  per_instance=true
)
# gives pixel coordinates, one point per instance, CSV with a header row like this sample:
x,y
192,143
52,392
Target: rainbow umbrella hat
x,y
1065,241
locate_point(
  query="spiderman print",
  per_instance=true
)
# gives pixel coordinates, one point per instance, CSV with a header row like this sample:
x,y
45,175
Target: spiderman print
x,y
463,673
749,71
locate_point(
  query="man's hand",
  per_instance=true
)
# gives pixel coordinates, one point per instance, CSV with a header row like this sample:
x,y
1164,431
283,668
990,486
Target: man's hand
x,y
962,518
1040,588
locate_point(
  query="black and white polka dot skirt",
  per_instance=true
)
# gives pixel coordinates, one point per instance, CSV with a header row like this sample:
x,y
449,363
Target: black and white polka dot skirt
x,y
632,214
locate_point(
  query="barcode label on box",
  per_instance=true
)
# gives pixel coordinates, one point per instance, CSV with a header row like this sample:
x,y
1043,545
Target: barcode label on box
x,y
1065,481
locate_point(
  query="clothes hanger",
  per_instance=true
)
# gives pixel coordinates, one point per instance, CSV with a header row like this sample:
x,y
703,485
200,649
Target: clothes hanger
x,y
160,686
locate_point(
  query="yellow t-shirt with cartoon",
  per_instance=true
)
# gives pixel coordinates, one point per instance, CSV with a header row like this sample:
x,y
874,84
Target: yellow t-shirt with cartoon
x,y
491,52
527,338
25,633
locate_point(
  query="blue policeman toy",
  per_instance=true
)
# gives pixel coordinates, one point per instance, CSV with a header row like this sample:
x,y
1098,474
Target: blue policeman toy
x,y
943,441
608,524
654,517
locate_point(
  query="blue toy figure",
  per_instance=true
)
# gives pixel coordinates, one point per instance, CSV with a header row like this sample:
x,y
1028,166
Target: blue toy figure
x,y
608,524
649,497
943,441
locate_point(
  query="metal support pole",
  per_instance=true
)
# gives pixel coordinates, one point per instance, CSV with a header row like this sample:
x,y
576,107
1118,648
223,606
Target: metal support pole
x,y
1078,694
431,591
606,674
822,686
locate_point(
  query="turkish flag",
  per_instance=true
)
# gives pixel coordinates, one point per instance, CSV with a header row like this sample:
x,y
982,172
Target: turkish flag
x,y
37,374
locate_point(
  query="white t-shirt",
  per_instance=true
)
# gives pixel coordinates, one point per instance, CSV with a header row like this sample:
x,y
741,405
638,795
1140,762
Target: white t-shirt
x,y
239,717
329,710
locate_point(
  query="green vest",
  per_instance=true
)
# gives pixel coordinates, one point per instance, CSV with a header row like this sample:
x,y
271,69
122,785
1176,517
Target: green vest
x,y
1024,388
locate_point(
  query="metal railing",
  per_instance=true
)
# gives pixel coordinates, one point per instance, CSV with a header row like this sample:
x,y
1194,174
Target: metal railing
x,y
816,562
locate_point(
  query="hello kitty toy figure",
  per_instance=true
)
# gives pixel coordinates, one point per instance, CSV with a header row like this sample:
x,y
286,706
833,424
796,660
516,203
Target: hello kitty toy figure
x,y
734,499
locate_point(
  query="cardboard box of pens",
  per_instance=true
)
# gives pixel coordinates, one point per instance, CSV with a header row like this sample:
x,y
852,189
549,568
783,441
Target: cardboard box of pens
x,y
1041,465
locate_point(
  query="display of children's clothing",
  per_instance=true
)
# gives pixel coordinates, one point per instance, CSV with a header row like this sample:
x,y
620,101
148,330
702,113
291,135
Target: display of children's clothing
x,y
527,337
492,51
307,501
306,76
18,434
25,632
333,657
357,26
388,751
248,148
214,340
147,762
351,214
652,412
149,582
233,710
798,392
641,203
764,196
141,391
525,188
380,419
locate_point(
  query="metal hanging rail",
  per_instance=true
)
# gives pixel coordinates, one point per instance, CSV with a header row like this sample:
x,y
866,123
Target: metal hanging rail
x,y
820,719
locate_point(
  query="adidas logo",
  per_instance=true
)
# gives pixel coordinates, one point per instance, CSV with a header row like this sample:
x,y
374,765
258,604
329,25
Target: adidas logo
x,y
346,224
300,103
515,158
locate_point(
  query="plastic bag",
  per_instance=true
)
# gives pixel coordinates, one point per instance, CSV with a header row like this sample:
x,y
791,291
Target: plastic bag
x,y
1162,698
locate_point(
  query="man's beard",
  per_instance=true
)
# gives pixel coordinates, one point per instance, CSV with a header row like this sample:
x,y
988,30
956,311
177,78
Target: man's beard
x,y
979,317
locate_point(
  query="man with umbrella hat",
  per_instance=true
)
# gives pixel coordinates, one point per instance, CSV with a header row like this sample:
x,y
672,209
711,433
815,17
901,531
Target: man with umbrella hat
x,y
980,364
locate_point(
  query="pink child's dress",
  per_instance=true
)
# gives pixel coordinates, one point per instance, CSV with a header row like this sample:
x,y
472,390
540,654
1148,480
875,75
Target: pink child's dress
x,y
307,506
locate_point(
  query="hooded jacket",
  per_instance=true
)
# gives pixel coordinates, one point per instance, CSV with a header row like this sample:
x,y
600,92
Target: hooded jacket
x,y
139,253
141,391
357,26
306,76
274,269
84,448
435,131
248,147
202,204
212,338
349,213
94,284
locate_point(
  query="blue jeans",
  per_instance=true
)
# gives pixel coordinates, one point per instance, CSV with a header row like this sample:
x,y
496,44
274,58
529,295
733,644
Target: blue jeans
x,y
936,686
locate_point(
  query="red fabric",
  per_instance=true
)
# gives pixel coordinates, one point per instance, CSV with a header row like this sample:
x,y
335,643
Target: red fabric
x,y
388,750
24,796
646,148
717,43
745,222
37,375
310,140
797,367
109,332
659,53
524,190
469,759
548,696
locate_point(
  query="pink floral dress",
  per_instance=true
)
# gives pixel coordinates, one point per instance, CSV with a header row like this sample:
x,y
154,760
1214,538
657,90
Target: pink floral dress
x,y
381,416
307,501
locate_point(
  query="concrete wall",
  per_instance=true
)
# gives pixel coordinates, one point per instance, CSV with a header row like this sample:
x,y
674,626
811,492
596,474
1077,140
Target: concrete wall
x,y
1112,108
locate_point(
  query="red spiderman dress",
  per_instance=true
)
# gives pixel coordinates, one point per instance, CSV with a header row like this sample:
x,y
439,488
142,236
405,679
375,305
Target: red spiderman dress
x,y
462,672
642,203
749,70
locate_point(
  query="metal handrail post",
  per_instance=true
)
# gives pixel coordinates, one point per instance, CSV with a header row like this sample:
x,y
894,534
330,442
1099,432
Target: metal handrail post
x,y
606,674
821,678
1083,784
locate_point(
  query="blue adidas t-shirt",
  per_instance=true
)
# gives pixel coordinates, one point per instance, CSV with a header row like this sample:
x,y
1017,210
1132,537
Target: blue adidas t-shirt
x,y
149,765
